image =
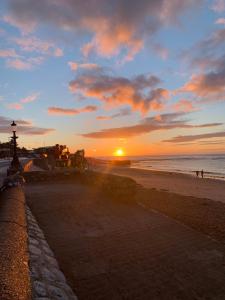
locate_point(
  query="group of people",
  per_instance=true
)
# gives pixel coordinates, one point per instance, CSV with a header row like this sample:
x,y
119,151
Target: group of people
x,y
201,173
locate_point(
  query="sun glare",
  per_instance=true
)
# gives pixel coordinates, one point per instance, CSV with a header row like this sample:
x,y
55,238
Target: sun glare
x,y
119,152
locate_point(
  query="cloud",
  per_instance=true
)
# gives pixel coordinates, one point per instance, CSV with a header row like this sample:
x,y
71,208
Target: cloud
x,y
161,51
74,66
188,138
218,6
16,106
208,59
53,110
209,83
209,86
24,64
89,108
34,44
220,21
117,26
103,117
140,92
19,64
24,127
8,53
208,53
58,52
19,105
148,125
184,105
123,112
25,24
30,98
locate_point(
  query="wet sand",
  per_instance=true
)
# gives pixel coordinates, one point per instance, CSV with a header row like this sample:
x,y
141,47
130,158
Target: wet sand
x,y
173,182
111,249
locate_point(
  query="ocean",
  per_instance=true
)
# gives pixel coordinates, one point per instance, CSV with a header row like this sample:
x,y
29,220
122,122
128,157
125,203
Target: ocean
x,y
213,164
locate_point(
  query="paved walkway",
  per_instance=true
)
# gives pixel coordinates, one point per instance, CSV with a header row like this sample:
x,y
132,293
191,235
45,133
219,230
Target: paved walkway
x,y
113,250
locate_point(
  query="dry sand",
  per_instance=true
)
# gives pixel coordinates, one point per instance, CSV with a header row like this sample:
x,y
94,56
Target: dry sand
x,y
173,182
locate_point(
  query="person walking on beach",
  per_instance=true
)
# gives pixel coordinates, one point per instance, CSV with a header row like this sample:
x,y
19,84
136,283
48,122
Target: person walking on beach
x,y
197,172
202,173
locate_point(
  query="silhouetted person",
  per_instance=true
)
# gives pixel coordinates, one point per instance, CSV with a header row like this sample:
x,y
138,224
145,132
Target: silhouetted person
x,y
197,173
202,173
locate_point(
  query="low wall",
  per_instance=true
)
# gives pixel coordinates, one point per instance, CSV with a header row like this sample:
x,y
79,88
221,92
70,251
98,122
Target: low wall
x,y
27,165
14,269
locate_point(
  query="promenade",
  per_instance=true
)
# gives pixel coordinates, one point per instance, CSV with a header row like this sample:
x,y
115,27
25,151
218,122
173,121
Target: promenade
x,y
111,249
4,164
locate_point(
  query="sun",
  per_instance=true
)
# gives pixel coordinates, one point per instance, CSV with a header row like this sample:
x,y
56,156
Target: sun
x,y
119,152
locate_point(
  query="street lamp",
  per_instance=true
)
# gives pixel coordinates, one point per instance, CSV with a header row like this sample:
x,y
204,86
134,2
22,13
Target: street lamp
x,y
15,164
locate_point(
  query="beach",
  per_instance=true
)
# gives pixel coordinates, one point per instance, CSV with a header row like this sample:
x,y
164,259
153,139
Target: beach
x,y
178,183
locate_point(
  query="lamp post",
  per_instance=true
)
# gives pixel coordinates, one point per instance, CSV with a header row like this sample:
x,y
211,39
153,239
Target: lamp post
x,y
15,164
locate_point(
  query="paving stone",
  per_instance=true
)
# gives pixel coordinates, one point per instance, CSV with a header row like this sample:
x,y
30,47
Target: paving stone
x,y
57,294
39,288
67,289
33,241
34,272
48,275
59,275
48,251
34,250
51,261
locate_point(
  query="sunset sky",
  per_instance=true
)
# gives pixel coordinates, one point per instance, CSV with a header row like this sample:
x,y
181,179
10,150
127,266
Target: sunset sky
x,y
145,76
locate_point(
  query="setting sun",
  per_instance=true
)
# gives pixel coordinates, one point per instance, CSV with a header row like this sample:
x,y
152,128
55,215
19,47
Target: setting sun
x,y
119,152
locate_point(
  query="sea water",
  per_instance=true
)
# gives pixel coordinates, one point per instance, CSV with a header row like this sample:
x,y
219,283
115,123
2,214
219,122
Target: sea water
x,y
213,165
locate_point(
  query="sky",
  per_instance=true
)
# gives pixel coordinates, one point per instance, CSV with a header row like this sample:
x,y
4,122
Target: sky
x,y
145,76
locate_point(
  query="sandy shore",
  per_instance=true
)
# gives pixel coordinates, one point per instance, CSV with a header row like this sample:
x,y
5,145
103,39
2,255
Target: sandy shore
x,y
173,182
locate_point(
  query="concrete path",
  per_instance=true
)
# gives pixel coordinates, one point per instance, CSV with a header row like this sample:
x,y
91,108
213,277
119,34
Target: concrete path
x,y
113,250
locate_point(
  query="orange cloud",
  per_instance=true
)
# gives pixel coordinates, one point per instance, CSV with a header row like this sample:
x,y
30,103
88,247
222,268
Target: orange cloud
x,y
30,98
8,53
148,125
34,44
109,39
70,111
24,64
103,117
20,105
16,106
116,27
140,92
188,138
25,24
220,21
207,85
88,66
122,112
19,64
184,105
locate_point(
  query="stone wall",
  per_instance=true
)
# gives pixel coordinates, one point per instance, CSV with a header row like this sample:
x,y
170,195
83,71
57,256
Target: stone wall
x,y
14,259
